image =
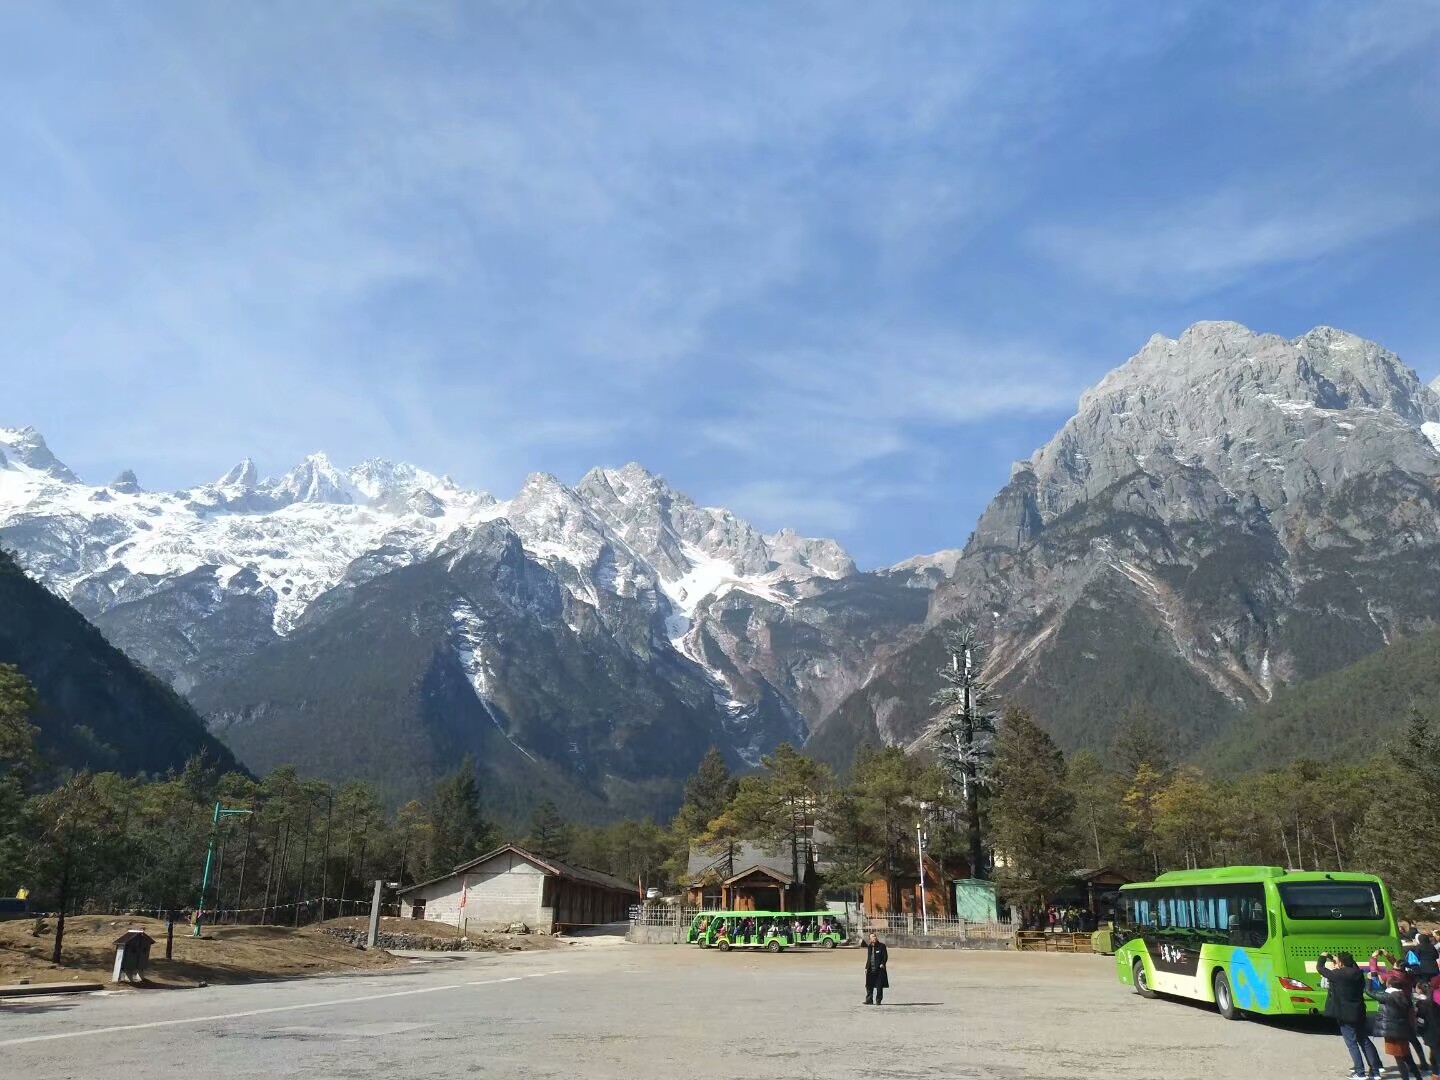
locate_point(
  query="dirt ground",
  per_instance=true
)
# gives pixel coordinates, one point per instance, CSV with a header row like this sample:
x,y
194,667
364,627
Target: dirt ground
x,y
225,954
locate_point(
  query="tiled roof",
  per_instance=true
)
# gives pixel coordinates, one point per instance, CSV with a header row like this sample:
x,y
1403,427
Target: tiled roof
x,y
553,867
746,855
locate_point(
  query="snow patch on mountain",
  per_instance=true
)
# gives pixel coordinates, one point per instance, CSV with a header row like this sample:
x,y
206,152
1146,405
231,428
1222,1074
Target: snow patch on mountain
x,y
622,533
1431,431
468,633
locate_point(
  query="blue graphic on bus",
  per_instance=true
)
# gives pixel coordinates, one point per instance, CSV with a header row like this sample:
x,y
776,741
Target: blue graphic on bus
x,y
1252,985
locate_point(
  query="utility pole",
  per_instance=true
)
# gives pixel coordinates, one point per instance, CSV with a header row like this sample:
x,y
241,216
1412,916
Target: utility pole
x,y
972,776
920,855
220,811
374,933
967,726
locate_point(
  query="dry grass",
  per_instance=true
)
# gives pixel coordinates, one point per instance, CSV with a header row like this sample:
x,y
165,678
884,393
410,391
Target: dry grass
x,y
225,954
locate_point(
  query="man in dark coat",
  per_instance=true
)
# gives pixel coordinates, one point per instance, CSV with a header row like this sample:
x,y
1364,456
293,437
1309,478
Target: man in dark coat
x,y
877,956
1345,1004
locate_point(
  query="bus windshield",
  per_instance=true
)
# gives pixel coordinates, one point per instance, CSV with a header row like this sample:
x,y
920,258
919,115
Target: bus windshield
x,y
1332,900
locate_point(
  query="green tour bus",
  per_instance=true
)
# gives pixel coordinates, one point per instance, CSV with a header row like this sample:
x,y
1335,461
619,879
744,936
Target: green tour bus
x,y
1248,938
771,930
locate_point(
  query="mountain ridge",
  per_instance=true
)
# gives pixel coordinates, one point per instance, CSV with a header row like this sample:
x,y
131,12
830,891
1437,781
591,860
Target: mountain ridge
x,y
1225,512
750,629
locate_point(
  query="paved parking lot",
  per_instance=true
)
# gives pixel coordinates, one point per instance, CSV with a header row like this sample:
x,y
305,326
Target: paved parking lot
x,y
609,1009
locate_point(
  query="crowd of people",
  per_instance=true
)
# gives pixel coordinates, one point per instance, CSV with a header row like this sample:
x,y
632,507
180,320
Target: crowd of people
x,y
1057,919
1407,991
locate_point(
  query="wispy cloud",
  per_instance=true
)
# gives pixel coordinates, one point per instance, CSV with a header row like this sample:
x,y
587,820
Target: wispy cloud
x,y
792,254
1208,243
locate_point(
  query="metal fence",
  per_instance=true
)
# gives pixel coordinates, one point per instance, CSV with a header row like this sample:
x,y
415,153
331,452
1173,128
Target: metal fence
x,y
911,925
661,915
908,925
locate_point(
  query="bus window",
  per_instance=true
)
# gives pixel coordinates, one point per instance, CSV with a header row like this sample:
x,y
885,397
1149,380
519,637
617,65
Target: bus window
x,y
1332,900
1251,927
1138,911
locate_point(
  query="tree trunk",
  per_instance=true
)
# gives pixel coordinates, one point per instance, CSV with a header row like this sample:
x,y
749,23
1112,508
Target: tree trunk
x,y
64,903
280,873
304,862
325,861
244,854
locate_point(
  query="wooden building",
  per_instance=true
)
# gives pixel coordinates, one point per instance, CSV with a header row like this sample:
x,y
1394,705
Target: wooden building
x,y
895,890
510,885
1092,889
748,878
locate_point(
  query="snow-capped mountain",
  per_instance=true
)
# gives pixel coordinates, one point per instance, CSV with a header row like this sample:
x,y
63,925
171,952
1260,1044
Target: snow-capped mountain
x,y
196,584
1226,512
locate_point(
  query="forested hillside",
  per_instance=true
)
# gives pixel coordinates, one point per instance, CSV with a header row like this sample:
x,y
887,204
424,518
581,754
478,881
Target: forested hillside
x,y
1344,714
96,709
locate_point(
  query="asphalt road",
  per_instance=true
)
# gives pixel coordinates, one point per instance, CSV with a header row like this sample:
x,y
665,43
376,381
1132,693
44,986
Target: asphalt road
x,y
613,1010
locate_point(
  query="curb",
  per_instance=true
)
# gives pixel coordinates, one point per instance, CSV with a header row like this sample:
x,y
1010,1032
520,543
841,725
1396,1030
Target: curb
x,y
37,989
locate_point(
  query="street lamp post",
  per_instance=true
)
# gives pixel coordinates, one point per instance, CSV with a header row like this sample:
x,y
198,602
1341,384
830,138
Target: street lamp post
x,y
220,812
920,852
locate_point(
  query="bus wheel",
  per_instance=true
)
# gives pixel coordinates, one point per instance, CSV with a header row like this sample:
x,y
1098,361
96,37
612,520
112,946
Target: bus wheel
x,y
1224,999
1137,973
774,946
724,946
829,942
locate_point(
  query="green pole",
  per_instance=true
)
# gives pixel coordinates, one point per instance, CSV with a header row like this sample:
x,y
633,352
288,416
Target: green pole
x,y
205,880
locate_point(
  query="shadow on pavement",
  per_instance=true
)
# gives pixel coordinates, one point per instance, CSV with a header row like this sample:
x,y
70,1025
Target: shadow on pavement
x,y
12,1006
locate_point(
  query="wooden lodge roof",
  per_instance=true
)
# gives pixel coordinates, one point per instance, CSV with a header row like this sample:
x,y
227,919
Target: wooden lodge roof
x,y
768,871
702,865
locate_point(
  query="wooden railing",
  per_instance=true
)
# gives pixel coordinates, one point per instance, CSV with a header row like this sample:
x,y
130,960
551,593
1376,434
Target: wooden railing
x,y
1045,941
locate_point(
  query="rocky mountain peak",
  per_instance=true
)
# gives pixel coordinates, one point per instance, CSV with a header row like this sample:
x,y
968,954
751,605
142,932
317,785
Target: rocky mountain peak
x,y
1260,413
791,551
27,446
243,476
126,483
316,480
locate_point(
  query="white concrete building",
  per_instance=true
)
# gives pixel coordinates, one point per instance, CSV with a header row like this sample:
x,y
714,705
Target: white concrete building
x,y
510,885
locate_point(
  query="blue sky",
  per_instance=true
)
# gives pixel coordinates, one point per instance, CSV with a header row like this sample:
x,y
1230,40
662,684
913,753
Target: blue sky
x,y
834,265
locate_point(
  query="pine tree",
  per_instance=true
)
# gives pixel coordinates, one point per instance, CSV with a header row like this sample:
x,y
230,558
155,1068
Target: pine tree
x,y
459,830
1103,831
707,793
1395,836
965,737
779,809
549,832
17,705
17,759
1032,811
874,815
1141,739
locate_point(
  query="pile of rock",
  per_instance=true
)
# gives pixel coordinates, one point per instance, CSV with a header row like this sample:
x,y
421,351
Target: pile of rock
x,y
419,942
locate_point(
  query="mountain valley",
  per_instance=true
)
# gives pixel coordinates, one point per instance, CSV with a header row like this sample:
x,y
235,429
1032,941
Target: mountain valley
x,y
1228,514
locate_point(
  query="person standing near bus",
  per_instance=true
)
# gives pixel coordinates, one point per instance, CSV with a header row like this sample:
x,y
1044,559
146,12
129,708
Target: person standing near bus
x,y
1346,1006
1427,1009
1397,1023
877,978
1427,958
